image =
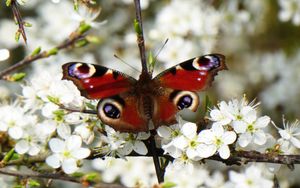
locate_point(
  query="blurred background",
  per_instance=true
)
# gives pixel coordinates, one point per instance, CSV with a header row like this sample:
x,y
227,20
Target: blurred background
x,y
260,40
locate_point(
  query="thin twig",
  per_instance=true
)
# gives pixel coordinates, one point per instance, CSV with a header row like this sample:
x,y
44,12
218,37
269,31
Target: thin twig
x,y
31,58
158,170
77,110
140,37
18,19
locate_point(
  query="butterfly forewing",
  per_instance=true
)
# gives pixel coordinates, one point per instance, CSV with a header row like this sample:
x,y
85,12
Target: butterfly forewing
x,y
95,81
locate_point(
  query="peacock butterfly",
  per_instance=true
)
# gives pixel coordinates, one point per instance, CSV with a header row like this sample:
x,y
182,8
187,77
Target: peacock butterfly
x,y
129,105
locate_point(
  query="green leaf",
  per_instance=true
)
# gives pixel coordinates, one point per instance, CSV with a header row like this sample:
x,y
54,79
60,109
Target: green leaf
x,y
54,100
77,174
17,36
92,177
33,183
27,24
93,39
137,27
8,3
151,60
36,51
168,185
52,51
59,115
9,155
75,2
15,156
81,43
17,77
90,106
84,27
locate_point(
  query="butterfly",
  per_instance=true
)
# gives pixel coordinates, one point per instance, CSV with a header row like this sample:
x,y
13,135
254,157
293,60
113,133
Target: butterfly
x,y
130,105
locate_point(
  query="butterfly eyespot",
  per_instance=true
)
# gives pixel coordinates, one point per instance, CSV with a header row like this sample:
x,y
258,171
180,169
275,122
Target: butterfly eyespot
x,y
111,111
184,102
206,62
185,99
81,71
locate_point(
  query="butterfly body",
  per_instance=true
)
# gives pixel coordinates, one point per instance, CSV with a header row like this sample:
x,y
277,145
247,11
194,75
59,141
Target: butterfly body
x,y
132,105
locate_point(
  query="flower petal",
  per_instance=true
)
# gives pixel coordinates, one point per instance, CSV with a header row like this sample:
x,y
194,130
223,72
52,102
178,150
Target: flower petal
x,y
164,132
259,137
22,147
15,132
69,166
224,152
244,139
262,122
295,142
53,161
81,153
140,148
205,150
56,145
189,130
73,142
229,137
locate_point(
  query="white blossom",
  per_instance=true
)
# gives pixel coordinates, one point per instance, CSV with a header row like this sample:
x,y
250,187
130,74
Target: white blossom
x,y
290,134
289,10
251,178
122,144
66,153
217,140
13,119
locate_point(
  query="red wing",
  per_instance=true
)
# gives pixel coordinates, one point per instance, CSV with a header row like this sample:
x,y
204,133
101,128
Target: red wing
x,y
123,113
193,75
170,102
95,81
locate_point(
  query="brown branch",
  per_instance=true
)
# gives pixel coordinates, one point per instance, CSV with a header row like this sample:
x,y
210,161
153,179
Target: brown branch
x,y
74,37
57,176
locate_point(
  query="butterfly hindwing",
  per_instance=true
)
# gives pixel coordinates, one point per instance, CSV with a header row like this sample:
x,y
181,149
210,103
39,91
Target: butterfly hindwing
x,y
95,81
123,113
192,75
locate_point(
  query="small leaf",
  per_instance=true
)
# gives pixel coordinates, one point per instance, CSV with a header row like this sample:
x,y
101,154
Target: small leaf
x,y
93,39
17,77
59,115
54,100
36,51
9,155
15,156
52,51
27,24
90,106
8,2
77,174
137,27
75,2
84,27
151,61
168,185
33,183
17,36
92,177
81,43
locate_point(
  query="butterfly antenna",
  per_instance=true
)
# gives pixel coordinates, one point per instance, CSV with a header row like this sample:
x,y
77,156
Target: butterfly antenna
x,y
161,48
116,56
